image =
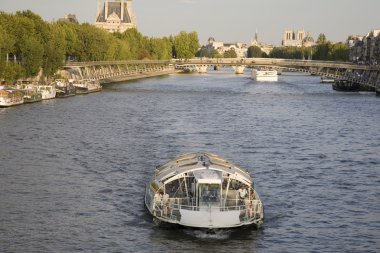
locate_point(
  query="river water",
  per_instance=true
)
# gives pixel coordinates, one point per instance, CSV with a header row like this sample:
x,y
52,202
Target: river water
x,y
72,171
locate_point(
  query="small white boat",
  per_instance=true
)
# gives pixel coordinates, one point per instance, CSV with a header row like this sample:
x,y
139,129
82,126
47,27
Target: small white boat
x,y
325,79
265,75
64,88
203,190
47,91
10,97
86,86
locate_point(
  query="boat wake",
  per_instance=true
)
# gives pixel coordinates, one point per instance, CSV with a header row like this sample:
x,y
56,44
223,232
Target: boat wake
x,y
215,234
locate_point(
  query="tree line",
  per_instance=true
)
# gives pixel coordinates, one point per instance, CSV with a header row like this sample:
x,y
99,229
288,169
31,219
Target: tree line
x,y
324,50
29,44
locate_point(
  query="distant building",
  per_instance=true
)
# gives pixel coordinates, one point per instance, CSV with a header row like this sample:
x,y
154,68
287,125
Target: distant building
x,y
69,18
115,16
266,48
365,49
240,48
297,39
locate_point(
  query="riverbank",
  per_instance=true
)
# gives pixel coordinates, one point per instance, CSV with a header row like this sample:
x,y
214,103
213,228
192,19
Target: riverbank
x,y
20,94
130,77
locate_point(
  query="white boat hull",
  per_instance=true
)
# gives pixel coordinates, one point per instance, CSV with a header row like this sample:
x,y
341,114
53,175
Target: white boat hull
x,y
48,94
7,102
214,219
10,97
327,80
264,75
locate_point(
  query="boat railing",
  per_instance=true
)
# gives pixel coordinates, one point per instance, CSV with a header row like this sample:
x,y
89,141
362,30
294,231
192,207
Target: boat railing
x,y
169,208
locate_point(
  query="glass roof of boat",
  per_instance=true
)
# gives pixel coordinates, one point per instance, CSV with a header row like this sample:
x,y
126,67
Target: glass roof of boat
x,y
195,161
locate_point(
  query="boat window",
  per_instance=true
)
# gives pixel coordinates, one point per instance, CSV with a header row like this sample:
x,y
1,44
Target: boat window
x,y
209,192
180,188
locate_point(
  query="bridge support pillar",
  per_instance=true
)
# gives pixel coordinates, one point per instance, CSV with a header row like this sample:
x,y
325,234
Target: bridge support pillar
x,y
239,69
202,69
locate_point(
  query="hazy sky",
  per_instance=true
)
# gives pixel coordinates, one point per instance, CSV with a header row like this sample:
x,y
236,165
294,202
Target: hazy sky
x,y
229,21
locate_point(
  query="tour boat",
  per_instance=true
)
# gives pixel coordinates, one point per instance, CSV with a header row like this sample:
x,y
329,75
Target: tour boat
x,y
64,88
30,91
325,79
47,91
203,190
10,97
265,75
32,95
87,86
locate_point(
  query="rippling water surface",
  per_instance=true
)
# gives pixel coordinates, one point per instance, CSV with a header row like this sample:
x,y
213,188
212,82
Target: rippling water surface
x,y
72,171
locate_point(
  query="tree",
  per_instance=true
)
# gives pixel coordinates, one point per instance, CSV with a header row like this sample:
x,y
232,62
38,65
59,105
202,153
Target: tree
x,y
70,35
323,51
160,49
230,54
254,51
185,45
135,41
93,43
321,39
207,52
54,50
287,52
340,52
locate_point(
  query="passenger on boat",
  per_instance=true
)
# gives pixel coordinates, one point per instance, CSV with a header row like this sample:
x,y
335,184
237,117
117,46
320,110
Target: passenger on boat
x,y
158,201
213,195
165,204
242,193
248,208
206,194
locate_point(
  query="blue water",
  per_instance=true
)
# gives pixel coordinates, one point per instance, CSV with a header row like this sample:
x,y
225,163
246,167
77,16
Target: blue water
x,y
72,171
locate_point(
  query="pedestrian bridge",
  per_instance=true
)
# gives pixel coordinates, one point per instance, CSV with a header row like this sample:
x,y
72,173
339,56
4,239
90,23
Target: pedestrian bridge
x,y
353,73
113,71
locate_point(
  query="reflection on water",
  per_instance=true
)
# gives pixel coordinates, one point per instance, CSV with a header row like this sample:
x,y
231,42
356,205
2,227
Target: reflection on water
x,y
73,171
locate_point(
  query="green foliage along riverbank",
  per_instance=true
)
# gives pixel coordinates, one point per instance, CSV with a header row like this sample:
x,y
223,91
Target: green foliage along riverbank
x,y
323,50
28,43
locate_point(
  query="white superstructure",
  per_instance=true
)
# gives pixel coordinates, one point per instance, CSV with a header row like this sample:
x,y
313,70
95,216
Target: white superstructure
x,y
205,191
10,97
325,79
47,91
265,75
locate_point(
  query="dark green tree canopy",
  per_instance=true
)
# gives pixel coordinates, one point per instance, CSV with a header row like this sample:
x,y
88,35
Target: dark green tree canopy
x,y
29,44
254,51
230,54
185,45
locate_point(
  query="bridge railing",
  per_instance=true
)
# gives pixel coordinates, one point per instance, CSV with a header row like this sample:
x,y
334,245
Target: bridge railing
x,y
235,61
98,63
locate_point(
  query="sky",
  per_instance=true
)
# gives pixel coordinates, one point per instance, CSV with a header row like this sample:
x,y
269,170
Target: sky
x,y
227,20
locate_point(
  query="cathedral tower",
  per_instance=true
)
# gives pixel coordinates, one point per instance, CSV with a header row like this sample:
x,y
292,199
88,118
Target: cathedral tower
x,y
115,16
